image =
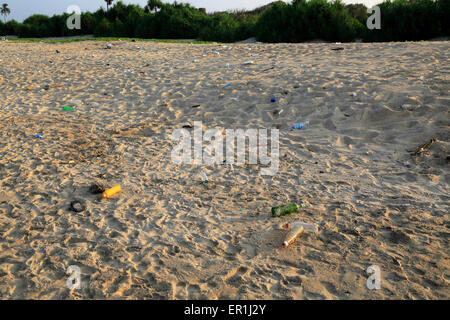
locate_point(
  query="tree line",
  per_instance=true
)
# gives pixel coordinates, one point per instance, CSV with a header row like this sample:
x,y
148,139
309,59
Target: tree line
x,y
300,20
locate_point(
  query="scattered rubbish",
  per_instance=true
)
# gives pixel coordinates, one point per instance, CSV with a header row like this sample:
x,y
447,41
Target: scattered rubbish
x,y
423,148
46,87
195,60
227,65
337,49
9,70
300,125
38,136
235,98
255,55
248,62
57,51
277,112
273,100
67,108
204,177
353,94
108,46
269,69
292,235
284,209
228,84
297,228
405,163
29,88
78,205
196,106
97,188
111,192
187,126
296,86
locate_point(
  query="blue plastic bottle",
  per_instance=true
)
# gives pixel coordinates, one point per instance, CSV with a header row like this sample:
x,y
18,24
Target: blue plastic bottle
x,y
300,125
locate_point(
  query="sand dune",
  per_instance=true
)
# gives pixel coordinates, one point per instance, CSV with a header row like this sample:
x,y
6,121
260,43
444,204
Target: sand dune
x,y
167,235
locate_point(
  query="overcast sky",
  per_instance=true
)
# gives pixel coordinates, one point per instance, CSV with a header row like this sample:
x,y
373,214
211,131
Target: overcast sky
x,y
21,9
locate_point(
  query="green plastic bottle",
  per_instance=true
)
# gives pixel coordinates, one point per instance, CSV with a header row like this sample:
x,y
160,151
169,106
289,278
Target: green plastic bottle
x,y
67,108
284,209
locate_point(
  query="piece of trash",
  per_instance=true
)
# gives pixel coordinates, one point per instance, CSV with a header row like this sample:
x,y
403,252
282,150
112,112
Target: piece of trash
x,y
228,84
300,125
57,51
29,88
67,108
97,188
277,112
297,228
187,126
235,98
227,65
38,136
405,163
108,46
46,87
78,205
111,192
292,235
195,60
248,62
353,94
196,106
337,49
71,161
255,55
204,177
284,209
273,100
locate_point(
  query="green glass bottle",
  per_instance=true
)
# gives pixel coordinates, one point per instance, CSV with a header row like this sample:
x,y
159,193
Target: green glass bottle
x,y
284,209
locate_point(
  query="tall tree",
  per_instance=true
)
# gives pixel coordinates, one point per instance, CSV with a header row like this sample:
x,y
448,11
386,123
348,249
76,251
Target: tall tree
x,y
108,3
5,11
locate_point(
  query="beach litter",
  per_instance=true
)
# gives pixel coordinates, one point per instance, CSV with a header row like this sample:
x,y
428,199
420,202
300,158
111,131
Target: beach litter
x,y
248,62
196,106
296,229
67,108
227,85
96,188
108,46
38,136
300,125
423,149
111,192
285,209
273,100
78,205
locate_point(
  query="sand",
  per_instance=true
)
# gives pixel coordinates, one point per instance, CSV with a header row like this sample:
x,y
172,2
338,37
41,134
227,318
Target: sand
x,y
167,235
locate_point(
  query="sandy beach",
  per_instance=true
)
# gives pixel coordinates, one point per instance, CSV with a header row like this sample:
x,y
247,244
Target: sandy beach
x,y
167,235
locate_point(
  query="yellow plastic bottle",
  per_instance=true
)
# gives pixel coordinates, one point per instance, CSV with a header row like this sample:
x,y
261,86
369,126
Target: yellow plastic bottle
x,y
111,192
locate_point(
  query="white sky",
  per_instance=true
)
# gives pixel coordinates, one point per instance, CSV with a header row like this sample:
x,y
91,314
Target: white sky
x,y
21,9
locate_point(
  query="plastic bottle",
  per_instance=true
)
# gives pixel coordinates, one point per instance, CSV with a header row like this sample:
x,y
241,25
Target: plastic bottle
x,y
284,209
309,227
300,125
292,235
111,192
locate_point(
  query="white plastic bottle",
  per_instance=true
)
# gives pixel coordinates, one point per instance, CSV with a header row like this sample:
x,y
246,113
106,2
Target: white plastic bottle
x,y
204,177
297,228
292,235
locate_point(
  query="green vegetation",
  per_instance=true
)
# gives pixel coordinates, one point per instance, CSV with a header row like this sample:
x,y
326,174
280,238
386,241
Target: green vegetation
x,y
301,20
